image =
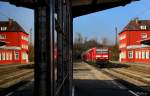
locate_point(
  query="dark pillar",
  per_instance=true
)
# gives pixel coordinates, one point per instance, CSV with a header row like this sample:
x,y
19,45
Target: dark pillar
x,y
44,48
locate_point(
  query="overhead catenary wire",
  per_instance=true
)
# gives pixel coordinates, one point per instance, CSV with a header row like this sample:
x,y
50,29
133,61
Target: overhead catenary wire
x,y
142,12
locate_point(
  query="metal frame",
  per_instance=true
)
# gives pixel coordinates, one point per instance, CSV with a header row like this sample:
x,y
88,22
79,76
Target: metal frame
x,y
52,19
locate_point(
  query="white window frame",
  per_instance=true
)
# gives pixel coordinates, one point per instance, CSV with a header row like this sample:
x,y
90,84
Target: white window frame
x,y
15,55
136,54
7,56
130,54
0,56
143,27
143,54
3,28
2,36
147,54
143,35
10,56
3,55
139,54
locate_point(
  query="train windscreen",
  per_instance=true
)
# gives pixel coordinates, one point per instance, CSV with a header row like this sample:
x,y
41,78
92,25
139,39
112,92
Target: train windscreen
x,y
101,51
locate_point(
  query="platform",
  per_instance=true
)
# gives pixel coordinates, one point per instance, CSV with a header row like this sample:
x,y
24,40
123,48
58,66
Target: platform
x,y
91,82
87,82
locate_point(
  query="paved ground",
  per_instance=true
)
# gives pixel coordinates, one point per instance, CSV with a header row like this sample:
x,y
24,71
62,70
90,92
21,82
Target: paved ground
x,y
90,82
87,82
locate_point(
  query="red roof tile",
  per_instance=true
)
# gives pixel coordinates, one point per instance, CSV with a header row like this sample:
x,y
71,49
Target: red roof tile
x,y
136,25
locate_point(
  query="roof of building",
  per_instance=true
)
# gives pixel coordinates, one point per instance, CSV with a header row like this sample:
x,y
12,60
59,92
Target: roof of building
x,y
137,24
11,26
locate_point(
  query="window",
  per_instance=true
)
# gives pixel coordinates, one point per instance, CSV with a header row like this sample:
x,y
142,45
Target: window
x,y
10,56
2,36
26,46
22,46
3,56
130,54
147,54
144,35
123,55
136,54
139,55
100,51
24,56
24,38
122,37
16,55
3,28
0,56
122,45
7,56
143,54
143,27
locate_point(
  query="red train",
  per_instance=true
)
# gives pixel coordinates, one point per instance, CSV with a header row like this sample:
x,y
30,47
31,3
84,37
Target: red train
x,y
100,56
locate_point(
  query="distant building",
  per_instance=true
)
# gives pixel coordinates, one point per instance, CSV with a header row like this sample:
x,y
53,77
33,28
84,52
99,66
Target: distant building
x,y
13,43
132,42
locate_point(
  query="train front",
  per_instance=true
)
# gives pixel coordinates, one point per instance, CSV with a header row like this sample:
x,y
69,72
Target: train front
x,y
102,56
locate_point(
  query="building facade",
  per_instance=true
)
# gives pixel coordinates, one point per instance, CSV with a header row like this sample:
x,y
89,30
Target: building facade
x,y
13,43
131,48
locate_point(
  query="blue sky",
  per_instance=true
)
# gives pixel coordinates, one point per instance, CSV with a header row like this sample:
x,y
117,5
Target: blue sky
x,y
96,25
102,24
24,16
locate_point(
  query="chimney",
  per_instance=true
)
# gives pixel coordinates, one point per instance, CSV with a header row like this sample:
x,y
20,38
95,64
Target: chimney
x,y
10,22
136,20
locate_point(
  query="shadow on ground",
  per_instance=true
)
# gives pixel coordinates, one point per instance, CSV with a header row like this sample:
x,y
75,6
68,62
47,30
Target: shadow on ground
x,y
26,66
98,88
23,88
113,65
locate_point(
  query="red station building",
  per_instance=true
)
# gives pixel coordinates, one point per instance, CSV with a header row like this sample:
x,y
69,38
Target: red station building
x,y
132,42
13,43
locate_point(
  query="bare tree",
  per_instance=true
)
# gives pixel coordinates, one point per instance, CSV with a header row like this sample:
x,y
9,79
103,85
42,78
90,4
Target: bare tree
x,y
78,46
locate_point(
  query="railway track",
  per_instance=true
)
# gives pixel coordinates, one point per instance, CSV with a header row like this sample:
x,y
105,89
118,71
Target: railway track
x,y
135,67
14,76
143,77
133,80
140,69
133,85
